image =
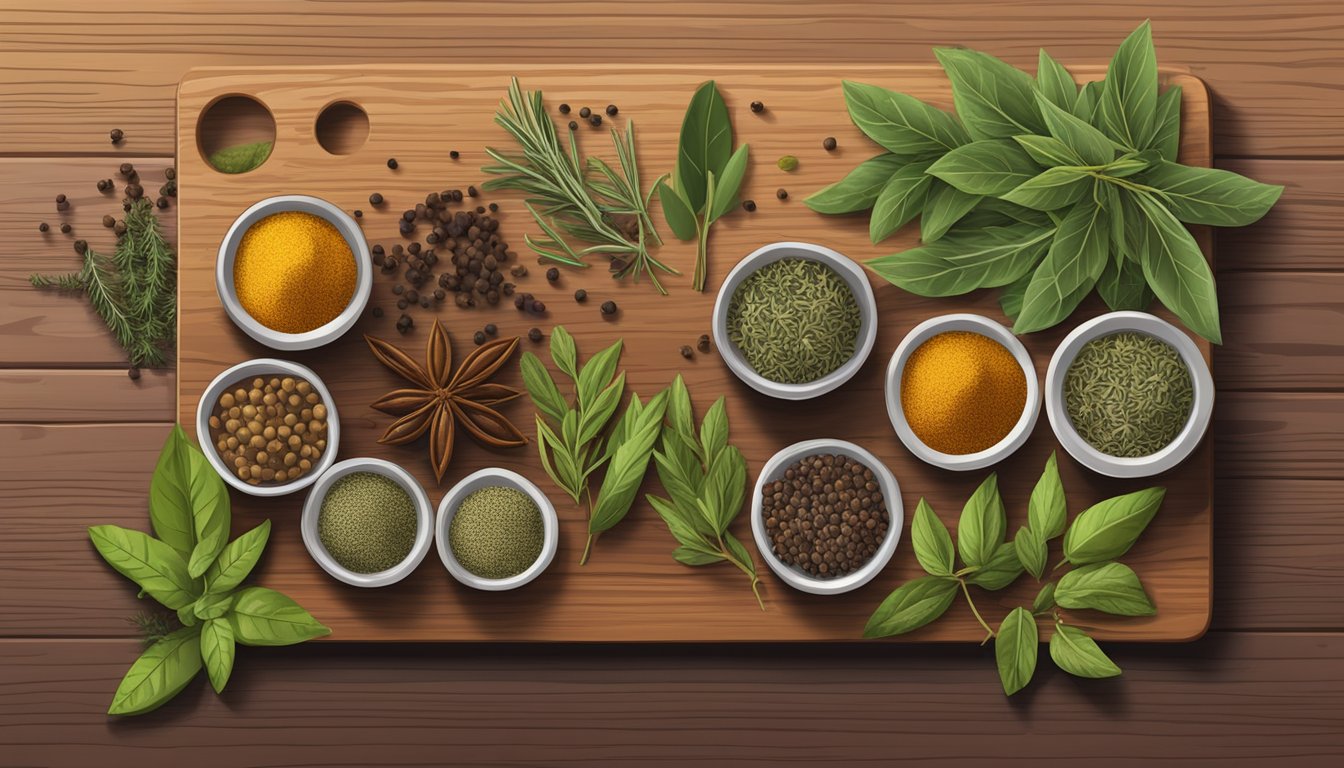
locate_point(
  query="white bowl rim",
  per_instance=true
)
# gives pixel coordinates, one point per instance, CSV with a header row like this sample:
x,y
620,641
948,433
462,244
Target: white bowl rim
x,y
891,490
1186,440
495,476
266,366
853,275
973,323
324,334
312,508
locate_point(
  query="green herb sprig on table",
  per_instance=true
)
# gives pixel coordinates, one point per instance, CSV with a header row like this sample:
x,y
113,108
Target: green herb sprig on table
x,y
1097,581
707,176
1044,189
705,480
570,197
570,438
189,566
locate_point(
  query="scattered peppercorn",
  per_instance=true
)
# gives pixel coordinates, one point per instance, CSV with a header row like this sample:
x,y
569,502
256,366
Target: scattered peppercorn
x,y
116,134
757,107
534,335
478,337
359,214
43,227
687,352
612,110
375,199
103,185
491,329
825,515
749,205
133,373
703,343
564,109
585,112
169,189
828,143
170,173
162,202
65,229
595,120
580,296
81,246
402,303
135,191
454,154
126,169
552,274
119,228
608,307
494,207
782,193
392,163
109,222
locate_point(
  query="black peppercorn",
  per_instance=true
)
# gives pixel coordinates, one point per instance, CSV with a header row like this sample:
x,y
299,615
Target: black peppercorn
x,y
408,215
440,294
133,373
479,338
116,134
119,228
471,191
608,307
552,274
494,207
102,185
392,163
595,120
81,246
65,229
424,302
402,304
162,202
126,169
828,143
573,126
375,199
170,173
43,227
412,295
491,329
564,109
703,342
135,191
60,198
377,311
454,154
534,335
580,296
585,112
757,107
749,205
109,222
612,110
359,214
406,228
782,193
539,307
686,351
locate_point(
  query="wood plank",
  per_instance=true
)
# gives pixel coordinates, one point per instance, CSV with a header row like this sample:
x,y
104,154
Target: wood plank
x,y
1302,231
1281,331
1275,70
1228,700
55,397
1287,435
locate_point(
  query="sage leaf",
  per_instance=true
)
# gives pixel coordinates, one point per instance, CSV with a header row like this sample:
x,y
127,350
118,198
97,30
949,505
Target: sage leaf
x,y
727,482
1167,136
597,374
564,353
629,460
241,158
860,187
154,566
1047,511
982,525
985,167
1031,551
1108,529
218,651
714,429
944,206
1085,107
1055,82
912,605
677,212
966,259
1089,143
1130,164
541,387
1010,301
597,413
263,616
1015,650
1002,568
705,145
1109,587
170,490
237,560
1045,598
727,184
899,201
1210,195
993,100
901,124
1123,286
1071,268
1078,654
1051,189
1048,151
162,671
691,556
1175,268
1128,104
739,552
933,544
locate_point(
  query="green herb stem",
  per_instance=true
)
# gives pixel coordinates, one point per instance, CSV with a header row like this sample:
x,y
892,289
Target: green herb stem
x,y
967,592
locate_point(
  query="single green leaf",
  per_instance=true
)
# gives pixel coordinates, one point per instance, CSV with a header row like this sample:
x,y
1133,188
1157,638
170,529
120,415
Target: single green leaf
x,y
705,144
689,556
1051,189
625,469
1048,151
933,544
186,615
1109,587
983,523
1211,195
727,483
684,525
237,560
727,184
217,651
1002,569
1047,511
677,212
1078,135
1078,654
901,124
263,616
965,259
1167,136
1176,270
1075,261
160,673
993,99
911,606
1015,650
1010,301
241,158
1055,82
944,206
1123,286
679,415
541,387
859,189
212,606
1031,551
563,352
1128,103
899,201
1045,598
597,374
1130,164
1108,529
714,430
170,501
740,553
985,167
1085,107
597,413
157,568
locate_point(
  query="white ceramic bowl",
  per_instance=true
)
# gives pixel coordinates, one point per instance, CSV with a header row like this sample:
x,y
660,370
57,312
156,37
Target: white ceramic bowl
x,y
312,510
265,367
486,478
228,251
854,277
1114,466
891,494
973,324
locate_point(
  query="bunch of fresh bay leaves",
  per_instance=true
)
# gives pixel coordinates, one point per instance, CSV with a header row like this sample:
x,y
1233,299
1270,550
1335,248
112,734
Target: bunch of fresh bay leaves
x,y
1044,189
190,566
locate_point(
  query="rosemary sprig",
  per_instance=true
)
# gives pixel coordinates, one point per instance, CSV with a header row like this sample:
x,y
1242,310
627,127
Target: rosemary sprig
x,y
576,200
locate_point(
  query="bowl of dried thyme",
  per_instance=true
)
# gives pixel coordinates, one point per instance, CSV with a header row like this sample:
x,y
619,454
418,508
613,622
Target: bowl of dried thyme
x,y
795,320
1128,395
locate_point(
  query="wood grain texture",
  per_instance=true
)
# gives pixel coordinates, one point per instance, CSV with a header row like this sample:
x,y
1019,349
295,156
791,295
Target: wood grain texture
x,y
57,396
631,589
1275,69
1282,331
1301,232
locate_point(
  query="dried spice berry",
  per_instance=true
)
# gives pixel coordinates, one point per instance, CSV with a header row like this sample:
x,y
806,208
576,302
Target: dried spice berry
x,y
375,199
595,121
608,308
116,134
491,329
782,193
757,107
534,335
573,126
392,163
825,515
552,274
580,296
564,109
43,227
454,154
478,337
65,229
687,352
703,343
828,143
749,206
585,113
612,110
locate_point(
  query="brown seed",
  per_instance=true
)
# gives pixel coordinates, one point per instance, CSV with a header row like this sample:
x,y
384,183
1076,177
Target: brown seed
x,y
687,352
116,134
828,143
109,222
782,193
757,107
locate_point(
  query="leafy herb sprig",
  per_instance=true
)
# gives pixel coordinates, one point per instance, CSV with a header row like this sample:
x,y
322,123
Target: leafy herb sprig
x,y
189,566
1044,189
570,197
1096,581
705,479
707,175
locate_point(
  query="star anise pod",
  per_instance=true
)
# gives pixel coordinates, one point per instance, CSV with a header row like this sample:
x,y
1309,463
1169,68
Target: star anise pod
x,y
439,399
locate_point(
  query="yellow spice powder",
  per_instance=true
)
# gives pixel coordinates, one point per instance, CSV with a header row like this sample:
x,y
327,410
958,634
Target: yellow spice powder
x,y
962,392
294,272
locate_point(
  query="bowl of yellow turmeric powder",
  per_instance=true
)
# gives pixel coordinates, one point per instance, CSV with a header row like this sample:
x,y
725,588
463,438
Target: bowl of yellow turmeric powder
x,y
294,272
962,392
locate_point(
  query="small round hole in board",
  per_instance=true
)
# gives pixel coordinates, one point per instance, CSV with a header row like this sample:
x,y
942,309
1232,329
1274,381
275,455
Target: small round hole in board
x,y
342,128
235,134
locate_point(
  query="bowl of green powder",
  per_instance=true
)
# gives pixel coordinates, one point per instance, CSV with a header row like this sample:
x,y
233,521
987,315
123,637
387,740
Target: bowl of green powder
x,y
795,320
496,530
1128,395
367,522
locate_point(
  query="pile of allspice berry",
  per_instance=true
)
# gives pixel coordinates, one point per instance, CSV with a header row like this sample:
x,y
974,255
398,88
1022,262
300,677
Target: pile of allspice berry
x,y
825,515
270,430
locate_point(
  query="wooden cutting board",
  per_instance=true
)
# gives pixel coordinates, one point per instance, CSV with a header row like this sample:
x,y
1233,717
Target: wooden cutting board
x,y
631,589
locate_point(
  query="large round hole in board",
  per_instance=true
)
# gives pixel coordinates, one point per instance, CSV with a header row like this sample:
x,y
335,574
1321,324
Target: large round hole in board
x,y
235,134
342,128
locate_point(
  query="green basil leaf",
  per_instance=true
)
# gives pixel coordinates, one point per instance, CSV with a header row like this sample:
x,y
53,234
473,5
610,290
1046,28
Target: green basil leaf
x,y
705,145
726,482
1089,143
237,560
629,460
157,568
1070,270
1210,195
1031,551
985,167
217,651
1109,587
1051,189
563,352
993,99
1045,599
727,184
944,207
1077,653
1047,511
933,544
186,615
1049,151
683,526
212,606
859,189
1012,211
1010,301
1002,569
714,430
1130,164
1055,82
739,551
901,124
241,158
1085,107
1015,650
983,523
1108,529
597,374
1167,137
1123,286
541,387
1176,270
170,501
677,212
263,616
597,413
965,259
911,606
160,673
679,415
1128,104
899,201
690,556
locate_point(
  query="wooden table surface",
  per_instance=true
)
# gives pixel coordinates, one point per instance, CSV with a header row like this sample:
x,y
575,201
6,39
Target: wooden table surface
x,y
78,438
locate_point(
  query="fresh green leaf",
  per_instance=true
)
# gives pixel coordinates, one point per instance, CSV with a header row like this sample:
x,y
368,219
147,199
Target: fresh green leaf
x,y
677,212
1051,189
911,606
1047,511
1055,82
739,552
901,124
965,259
625,471
212,606
691,556
596,414
241,158
1031,551
263,616
993,100
1129,164
1070,270
1123,286
726,482
1128,104
597,374
1015,650
1108,529
237,560
1002,569
1109,587
188,503
714,429
1085,107
859,189
1167,136
157,568
933,544
1077,653
1045,598
983,523
1176,270
985,167
541,388
944,206
1048,151
705,145
1078,135
564,353
727,184
1010,301
1211,195
899,201
217,651
159,674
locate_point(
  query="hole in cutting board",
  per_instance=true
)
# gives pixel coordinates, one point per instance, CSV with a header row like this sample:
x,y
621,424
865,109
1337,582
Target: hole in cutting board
x,y
232,122
342,128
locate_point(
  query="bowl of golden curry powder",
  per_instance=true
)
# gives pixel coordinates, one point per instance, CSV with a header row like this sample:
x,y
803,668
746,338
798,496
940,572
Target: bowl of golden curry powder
x,y
962,392
294,272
